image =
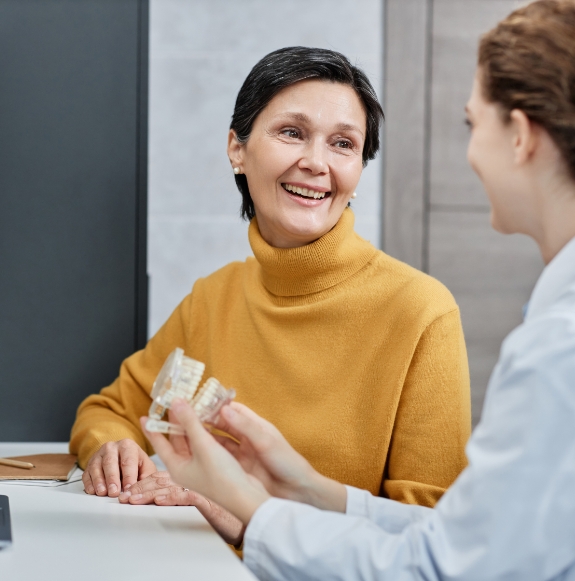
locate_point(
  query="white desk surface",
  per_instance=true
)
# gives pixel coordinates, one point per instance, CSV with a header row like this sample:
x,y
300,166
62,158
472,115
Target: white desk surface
x,y
63,534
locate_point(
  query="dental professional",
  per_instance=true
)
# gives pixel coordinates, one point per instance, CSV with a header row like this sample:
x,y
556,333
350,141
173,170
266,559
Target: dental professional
x,y
358,358
511,514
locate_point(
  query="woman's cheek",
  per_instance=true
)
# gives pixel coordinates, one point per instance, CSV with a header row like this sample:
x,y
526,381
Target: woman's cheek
x,y
471,155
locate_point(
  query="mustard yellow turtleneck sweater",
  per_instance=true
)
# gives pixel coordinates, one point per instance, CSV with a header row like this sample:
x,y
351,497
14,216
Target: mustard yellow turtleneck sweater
x,y
356,357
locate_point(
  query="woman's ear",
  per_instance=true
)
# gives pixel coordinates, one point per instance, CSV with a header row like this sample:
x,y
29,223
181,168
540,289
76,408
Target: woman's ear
x,y
525,136
235,150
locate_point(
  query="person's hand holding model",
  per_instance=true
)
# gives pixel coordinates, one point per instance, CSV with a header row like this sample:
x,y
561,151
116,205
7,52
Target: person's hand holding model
x,y
197,461
240,476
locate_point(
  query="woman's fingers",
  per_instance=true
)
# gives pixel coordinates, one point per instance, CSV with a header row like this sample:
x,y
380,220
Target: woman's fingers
x,y
87,481
162,446
230,445
111,468
244,424
134,463
96,468
171,496
187,418
179,443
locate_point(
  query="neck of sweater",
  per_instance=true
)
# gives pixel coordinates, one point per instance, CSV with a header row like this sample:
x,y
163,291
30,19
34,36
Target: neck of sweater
x,y
314,267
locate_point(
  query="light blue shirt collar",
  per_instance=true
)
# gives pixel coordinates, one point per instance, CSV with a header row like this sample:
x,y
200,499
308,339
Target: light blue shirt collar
x,y
557,279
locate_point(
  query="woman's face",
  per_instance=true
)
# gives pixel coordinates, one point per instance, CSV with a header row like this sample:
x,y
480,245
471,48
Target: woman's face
x,y
303,160
492,155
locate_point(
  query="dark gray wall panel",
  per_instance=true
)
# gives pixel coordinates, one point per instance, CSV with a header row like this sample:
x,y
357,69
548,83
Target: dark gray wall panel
x,y
71,203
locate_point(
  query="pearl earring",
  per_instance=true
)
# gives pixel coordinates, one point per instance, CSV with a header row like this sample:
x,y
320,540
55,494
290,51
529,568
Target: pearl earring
x,y
354,195
236,170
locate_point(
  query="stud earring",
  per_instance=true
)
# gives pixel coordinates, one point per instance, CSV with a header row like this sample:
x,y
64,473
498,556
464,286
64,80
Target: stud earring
x,y
354,195
236,170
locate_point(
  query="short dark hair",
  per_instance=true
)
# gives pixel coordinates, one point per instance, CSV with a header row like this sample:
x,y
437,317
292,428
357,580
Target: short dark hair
x,y
285,67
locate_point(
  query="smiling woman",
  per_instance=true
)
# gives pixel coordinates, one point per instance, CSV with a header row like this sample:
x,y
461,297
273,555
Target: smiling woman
x,y
302,161
358,358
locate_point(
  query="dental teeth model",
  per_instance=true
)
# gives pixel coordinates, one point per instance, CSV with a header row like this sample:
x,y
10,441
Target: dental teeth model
x,y
180,377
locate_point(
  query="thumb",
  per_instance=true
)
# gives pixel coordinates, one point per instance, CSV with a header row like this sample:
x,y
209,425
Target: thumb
x,y
189,421
161,446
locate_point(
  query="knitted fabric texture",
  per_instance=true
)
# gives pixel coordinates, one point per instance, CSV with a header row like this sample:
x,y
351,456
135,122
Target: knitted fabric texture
x,y
357,358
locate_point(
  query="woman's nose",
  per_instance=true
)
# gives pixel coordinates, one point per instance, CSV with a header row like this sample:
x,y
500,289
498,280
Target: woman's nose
x,y
314,158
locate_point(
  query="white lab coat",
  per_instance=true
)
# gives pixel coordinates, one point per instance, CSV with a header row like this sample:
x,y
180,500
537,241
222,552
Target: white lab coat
x,y
511,513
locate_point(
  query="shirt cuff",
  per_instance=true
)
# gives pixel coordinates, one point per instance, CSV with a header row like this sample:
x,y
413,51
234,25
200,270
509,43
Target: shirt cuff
x,y
389,515
357,502
254,531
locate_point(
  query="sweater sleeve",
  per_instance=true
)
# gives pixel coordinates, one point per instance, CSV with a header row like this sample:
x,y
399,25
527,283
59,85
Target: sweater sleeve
x,y
433,421
114,413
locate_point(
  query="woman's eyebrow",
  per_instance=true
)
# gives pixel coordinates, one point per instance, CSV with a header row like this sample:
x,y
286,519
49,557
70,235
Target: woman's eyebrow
x,y
348,127
303,118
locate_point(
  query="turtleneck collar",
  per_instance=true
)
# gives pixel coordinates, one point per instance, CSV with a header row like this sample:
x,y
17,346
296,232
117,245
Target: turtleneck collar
x,y
314,267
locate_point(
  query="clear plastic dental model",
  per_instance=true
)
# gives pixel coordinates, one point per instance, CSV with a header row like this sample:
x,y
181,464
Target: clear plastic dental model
x,y
179,378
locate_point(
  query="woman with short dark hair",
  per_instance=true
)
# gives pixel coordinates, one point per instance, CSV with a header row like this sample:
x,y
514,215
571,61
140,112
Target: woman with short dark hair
x,y
357,357
288,66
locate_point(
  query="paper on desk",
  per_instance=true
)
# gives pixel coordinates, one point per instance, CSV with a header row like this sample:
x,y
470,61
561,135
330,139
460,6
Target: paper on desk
x,y
45,467
74,477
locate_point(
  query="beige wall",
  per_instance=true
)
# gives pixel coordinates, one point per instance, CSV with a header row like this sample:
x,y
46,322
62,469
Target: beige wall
x,y
436,215
200,53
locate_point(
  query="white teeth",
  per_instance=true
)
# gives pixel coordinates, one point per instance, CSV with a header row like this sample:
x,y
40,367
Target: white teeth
x,y
305,192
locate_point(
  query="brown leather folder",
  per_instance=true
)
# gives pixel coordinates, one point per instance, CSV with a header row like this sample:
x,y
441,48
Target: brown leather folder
x,y
46,467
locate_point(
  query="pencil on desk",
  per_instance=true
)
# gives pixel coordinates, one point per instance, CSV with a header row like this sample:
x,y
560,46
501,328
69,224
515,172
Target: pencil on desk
x,y
16,463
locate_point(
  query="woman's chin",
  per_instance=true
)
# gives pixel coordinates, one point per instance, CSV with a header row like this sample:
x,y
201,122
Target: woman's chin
x,y
297,225
305,231
501,225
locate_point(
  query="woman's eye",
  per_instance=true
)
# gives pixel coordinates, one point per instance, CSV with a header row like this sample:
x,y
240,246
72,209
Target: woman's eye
x,y
293,133
344,144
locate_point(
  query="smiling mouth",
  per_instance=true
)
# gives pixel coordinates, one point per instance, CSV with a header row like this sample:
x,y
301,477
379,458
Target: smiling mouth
x,y
305,192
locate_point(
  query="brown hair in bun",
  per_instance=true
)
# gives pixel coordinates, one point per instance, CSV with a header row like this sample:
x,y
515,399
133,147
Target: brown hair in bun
x,y
527,62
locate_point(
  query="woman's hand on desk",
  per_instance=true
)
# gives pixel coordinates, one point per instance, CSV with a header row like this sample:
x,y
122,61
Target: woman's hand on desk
x,y
159,488
115,467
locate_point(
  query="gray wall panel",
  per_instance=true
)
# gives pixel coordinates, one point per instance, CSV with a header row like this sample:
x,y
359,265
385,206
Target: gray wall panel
x,y
406,55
